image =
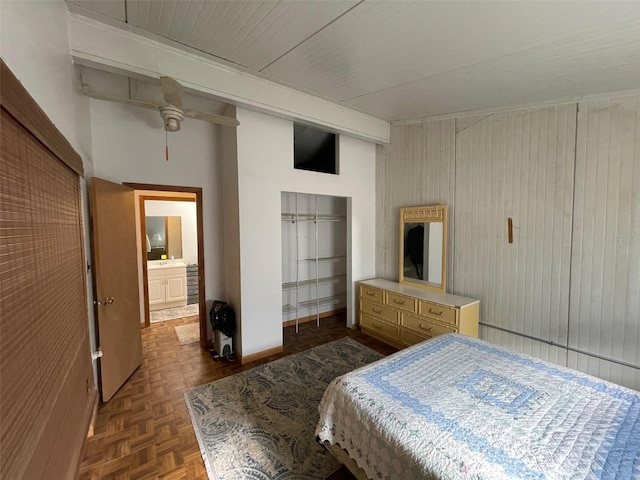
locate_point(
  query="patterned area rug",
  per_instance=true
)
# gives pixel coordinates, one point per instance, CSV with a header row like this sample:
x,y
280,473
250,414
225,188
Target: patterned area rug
x,y
189,333
260,424
173,313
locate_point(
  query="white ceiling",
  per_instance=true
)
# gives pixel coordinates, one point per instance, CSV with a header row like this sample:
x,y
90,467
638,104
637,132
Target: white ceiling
x,y
401,60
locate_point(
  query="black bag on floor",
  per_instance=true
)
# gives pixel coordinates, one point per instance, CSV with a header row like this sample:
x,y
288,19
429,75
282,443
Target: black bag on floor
x,y
223,318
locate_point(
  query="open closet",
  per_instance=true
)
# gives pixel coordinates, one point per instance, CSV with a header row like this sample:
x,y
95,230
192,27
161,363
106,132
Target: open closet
x,y
314,257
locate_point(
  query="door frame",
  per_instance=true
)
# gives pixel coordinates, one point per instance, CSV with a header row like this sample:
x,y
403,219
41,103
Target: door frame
x,y
204,341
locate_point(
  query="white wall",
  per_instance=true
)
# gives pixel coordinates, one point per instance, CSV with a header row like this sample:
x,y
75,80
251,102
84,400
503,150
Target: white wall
x,y
185,210
231,225
34,43
265,170
128,146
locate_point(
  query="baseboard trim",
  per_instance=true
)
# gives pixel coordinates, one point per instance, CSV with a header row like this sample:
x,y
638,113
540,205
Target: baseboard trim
x,y
94,412
88,419
260,355
312,318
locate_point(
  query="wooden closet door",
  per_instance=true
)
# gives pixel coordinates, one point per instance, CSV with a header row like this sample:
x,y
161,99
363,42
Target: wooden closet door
x,y
47,390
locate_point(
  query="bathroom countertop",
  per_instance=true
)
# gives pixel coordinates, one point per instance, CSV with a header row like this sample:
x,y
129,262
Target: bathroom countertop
x,y
165,264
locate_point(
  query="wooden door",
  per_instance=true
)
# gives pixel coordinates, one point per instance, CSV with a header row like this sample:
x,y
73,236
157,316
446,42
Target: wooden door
x,y
116,283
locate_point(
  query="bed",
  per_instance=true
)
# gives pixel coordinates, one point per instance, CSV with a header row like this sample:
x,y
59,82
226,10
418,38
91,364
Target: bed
x,y
458,407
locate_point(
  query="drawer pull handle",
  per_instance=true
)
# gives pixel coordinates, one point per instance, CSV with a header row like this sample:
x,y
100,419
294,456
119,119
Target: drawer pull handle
x,y
425,328
371,294
379,327
376,311
395,300
431,310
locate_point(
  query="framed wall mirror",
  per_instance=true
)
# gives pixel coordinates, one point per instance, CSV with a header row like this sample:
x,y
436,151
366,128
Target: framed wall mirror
x,y
164,237
423,247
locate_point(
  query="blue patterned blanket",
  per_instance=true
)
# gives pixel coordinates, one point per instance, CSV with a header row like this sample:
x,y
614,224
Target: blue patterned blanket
x,y
457,407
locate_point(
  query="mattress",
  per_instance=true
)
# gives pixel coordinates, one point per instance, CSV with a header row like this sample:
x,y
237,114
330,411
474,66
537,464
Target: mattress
x,y
457,407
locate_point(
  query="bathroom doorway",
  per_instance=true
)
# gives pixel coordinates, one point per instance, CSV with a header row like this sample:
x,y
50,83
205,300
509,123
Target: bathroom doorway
x,y
171,256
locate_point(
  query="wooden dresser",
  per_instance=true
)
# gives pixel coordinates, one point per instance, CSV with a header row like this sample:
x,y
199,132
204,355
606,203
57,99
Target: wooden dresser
x,y
401,315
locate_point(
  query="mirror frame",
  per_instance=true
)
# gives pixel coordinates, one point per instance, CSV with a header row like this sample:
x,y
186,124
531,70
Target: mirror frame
x,y
424,214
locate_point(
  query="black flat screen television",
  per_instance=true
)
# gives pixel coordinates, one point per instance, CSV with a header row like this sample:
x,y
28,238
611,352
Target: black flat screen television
x,y
314,150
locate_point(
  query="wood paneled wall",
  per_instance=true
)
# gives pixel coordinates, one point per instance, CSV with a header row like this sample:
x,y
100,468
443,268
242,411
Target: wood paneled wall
x,y
605,265
405,178
516,165
565,175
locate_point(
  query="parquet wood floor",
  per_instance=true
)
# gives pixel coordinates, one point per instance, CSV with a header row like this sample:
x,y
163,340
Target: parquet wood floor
x,y
145,432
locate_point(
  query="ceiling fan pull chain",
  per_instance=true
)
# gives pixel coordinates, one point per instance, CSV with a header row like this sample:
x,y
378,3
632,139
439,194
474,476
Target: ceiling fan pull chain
x,y
166,146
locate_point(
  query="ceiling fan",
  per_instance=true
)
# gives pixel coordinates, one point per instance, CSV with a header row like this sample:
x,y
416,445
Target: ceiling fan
x,y
172,113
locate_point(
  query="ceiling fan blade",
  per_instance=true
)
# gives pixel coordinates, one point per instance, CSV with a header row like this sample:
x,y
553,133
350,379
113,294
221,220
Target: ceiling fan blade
x,y
171,91
212,118
125,101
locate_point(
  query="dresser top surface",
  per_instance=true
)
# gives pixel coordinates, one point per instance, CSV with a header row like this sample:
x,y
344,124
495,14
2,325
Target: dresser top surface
x,y
436,297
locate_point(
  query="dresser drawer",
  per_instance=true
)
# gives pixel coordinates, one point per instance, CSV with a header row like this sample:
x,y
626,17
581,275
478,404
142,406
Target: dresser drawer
x,y
371,293
409,338
379,310
438,312
402,302
423,326
379,326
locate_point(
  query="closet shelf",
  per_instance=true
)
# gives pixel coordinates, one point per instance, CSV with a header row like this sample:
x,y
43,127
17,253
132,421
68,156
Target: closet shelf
x,y
333,300
321,281
314,254
322,259
310,217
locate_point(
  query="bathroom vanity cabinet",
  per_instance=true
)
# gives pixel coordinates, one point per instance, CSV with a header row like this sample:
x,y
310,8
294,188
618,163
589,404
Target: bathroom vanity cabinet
x,y
167,286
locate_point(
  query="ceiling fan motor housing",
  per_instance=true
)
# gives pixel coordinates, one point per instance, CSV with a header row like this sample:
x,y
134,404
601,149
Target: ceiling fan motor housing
x,y
172,117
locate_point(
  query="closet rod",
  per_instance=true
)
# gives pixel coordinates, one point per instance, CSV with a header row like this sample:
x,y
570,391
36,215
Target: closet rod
x,y
297,266
317,265
565,347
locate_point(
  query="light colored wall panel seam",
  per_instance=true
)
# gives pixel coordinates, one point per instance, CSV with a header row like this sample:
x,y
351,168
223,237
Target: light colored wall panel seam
x,y
605,285
516,165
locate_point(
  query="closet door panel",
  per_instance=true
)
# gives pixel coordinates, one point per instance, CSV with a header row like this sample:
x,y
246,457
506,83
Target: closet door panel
x,y
516,165
605,282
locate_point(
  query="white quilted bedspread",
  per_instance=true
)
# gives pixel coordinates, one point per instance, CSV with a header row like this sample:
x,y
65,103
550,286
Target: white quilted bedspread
x,y
461,408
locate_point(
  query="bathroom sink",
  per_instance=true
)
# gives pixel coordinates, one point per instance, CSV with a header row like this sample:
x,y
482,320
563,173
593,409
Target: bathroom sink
x,y
165,264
